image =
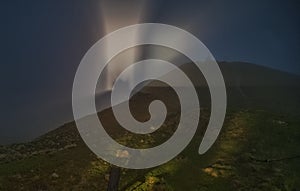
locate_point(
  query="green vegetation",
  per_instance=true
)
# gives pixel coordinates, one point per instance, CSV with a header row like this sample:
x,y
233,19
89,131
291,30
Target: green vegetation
x,y
256,150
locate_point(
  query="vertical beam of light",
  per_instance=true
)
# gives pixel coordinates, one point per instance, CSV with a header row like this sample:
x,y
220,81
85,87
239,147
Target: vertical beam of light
x,y
166,54
116,15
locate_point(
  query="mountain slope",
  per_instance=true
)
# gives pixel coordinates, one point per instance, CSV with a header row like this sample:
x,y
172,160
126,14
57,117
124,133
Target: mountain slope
x,y
256,150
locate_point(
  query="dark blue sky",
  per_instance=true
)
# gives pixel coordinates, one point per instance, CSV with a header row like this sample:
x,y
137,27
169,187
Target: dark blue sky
x,y
42,43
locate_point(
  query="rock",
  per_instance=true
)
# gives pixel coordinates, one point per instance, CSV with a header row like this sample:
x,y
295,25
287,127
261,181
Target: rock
x,y
279,122
34,153
2,156
70,146
122,154
54,175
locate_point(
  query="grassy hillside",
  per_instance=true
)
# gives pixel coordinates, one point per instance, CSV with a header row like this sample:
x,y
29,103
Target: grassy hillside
x,y
257,150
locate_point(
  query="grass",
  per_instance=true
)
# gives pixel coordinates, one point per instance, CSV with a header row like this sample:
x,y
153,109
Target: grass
x,y
256,150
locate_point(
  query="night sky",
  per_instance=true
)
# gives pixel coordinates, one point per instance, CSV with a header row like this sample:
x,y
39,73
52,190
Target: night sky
x,y
42,43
